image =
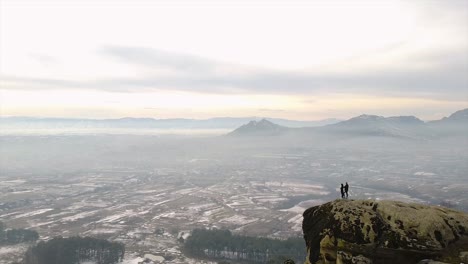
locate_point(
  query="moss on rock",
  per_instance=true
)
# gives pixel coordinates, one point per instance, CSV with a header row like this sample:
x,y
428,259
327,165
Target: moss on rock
x,y
383,231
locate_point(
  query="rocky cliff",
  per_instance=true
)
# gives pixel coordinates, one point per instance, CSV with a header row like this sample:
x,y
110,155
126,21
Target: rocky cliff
x,y
368,231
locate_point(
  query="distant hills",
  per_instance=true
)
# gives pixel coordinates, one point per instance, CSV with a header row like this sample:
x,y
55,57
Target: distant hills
x,y
368,125
148,123
409,127
397,126
459,118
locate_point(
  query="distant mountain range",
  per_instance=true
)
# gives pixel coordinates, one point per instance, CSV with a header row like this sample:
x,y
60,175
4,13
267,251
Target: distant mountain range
x,y
364,125
368,125
147,123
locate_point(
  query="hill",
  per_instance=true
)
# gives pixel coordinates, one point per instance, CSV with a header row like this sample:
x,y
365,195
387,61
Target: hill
x,y
460,117
372,125
259,128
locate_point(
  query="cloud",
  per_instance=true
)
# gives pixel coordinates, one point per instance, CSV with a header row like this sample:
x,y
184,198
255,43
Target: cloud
x,y
43,58
271,110
153,58
438,74
32,83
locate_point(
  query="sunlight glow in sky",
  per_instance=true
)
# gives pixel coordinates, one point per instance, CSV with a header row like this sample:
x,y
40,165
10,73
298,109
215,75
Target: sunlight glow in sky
x,y
199,59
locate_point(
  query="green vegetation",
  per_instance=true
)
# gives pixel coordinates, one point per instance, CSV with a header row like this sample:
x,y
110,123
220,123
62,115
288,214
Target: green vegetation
x,y
222,244
15,236
75,250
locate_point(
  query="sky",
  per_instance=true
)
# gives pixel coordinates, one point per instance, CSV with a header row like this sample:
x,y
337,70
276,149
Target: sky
x,y
303,60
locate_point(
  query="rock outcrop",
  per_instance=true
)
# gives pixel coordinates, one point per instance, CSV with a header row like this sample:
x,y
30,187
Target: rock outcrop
x,y
368,231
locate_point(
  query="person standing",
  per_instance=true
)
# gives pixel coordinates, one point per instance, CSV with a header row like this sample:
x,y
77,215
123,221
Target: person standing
x,y
342,191
346,188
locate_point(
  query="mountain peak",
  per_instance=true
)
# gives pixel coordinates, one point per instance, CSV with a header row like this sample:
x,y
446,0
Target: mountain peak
x,y
367,117
460,115
456,122
406,119
262,127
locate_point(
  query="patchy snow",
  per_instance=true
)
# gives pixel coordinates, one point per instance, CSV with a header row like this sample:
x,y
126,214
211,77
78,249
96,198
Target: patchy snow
x,y
9,249
24,191
165,215
12,182
186,191
294,209
33,213
79,216
9,214
59,214
75,206
302,206
162,202
103,231
214,211
200,207
239,220
154,258
42,224
132,260
423,173
272,200
309,203
12,253
147,191
296,219
116,217
183,234
297,222
143,212
175,215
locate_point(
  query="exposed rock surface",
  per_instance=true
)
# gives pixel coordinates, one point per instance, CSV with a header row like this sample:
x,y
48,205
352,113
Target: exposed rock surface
x,y
368,231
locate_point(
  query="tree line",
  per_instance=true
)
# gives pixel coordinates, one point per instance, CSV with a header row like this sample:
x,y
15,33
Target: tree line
x,y
222,244
16,236
74,250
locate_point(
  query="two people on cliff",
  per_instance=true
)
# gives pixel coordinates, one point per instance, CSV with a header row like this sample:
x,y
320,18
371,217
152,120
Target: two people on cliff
x,y
344,190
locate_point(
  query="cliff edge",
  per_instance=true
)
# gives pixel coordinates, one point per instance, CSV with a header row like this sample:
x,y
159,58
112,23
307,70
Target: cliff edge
x,y
369,231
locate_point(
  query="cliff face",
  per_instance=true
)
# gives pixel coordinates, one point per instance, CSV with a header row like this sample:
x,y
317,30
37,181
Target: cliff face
x,y
367,231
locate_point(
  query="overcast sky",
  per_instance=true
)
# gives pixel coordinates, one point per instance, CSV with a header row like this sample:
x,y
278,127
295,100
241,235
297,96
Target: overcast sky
x,y
198,59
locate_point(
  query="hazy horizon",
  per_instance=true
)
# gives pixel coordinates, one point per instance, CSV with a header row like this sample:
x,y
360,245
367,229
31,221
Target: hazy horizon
x,y
217,117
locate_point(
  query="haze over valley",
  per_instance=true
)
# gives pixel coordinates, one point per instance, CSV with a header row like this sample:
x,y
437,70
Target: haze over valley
x,y
147,191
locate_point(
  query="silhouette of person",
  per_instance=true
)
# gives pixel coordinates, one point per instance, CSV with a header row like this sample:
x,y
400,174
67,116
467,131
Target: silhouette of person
x,y
342,191
346,188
